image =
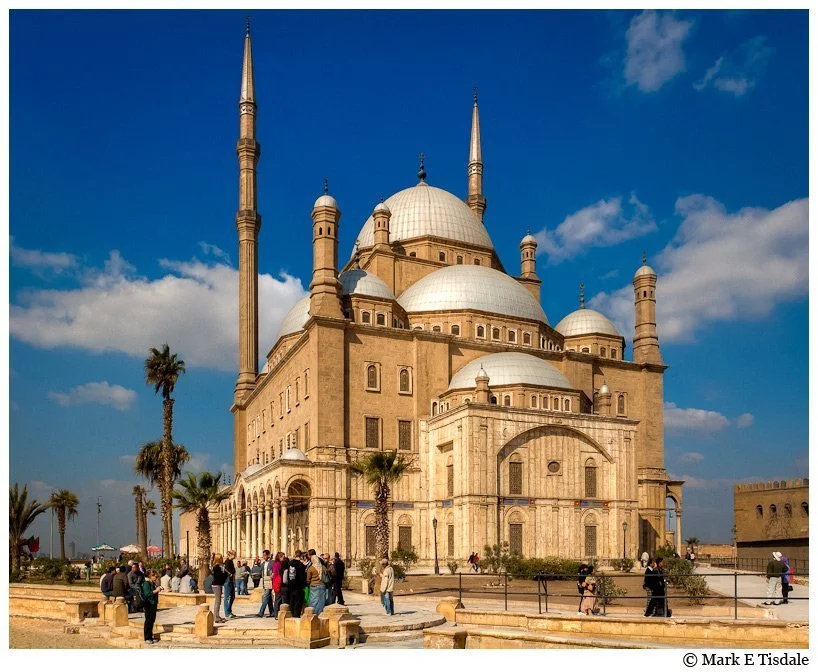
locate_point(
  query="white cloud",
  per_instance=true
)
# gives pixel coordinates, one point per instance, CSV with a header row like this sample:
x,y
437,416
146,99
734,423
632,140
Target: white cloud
x,y
214,251
745,420
696,483
740,71
655,53
194,308
691,457
693,419
39,490
197,462
39,261
721,266
603,224
101,393
130,460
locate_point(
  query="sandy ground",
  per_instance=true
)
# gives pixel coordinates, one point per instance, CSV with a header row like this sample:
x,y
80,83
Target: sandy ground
x,y
36,633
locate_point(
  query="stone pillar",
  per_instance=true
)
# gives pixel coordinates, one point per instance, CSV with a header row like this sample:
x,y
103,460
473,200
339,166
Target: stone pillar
x,y
284,527
276,539
234,542
259,529
679,533
253,533
247,542
267,541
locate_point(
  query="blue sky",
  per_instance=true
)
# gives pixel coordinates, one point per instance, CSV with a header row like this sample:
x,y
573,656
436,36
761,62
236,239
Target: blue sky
x,y
683,134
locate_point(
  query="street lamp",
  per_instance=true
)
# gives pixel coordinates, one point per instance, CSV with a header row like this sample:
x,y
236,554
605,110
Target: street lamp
x,y
434,528
624,537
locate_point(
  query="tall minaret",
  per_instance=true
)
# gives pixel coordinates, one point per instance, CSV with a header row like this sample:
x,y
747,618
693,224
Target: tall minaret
x,y
248,223
476,201
645,340
325,288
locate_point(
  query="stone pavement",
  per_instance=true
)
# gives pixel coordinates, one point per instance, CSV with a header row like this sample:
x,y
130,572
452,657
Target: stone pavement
x,y
752,589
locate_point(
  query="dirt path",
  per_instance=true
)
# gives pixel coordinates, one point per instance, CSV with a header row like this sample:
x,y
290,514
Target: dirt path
x,y
36,633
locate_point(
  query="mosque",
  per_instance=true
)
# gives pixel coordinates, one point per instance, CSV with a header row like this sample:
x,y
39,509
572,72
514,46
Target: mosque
x,y
547,437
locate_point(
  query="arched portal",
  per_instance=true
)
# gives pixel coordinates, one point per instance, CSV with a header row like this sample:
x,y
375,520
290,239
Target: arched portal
x,y
673,524
298,516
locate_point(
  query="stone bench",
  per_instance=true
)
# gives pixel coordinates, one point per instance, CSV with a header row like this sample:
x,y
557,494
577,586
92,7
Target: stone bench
x,y
77,610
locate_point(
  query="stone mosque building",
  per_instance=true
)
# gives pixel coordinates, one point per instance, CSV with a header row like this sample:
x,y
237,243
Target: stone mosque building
x,y
544,436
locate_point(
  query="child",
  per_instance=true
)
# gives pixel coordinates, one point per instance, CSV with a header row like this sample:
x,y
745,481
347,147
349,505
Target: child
x,y
588,605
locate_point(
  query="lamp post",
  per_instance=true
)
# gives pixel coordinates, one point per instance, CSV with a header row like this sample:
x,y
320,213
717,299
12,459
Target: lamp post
x,y
99,513
624,538
434,529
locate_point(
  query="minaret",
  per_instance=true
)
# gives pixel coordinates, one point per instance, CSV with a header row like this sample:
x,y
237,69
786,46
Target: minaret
x,y
481,391
325,288
381,215
604,400
645,340
476,201
528,257
248,223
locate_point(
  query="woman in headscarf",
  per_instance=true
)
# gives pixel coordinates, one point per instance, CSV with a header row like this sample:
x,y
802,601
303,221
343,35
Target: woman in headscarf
x,y
316,580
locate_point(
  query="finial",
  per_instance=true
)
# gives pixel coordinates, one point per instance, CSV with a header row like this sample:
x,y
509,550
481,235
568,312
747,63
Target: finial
x,y
247,30
582,295
475,95
422,171
356,255
326,186
644,257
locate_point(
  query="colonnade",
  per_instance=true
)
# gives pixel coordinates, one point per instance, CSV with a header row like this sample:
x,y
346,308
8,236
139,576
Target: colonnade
x,y
259,527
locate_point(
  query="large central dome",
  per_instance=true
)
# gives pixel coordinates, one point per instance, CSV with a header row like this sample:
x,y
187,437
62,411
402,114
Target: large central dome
x,y
428,211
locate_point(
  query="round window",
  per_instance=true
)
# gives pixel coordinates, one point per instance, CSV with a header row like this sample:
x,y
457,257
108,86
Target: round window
x,y
553,467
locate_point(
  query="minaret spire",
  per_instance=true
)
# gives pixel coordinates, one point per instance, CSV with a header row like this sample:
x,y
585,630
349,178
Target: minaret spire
x,y
582,295
248,224
476,201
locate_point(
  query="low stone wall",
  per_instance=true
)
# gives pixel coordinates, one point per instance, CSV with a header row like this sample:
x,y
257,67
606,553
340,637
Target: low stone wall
x,y
166,600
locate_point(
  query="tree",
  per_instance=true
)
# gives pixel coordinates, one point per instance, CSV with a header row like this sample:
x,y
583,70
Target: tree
x,y
196,496
65,503
139,502
148,508
692,542
22,514
149,461
381,470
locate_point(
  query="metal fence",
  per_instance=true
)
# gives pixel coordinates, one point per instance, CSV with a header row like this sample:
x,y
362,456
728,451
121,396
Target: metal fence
x,y
800,567
548,587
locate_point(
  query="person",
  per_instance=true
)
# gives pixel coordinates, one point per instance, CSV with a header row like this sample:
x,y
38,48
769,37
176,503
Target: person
x,y
255,573
645,559
241,579
589,600
165,580
387,587
208,583
88,570
219,579
183,569
316,578
106,585
471,560
786,586
338,571
176,584
296,582
584,571
476,562
693,557
267,585
230,584
281,570
120,585
687,555
654,583
150,598
187,584
775,570
135,579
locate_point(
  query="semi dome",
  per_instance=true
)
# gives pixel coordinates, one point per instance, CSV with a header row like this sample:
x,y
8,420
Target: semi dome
x,y
294,454
586,321
466,287
510,368
295,320
325,201
356,281
644,269
423,210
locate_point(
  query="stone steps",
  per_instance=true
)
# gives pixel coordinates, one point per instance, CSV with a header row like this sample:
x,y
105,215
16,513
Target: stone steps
x,y
373,628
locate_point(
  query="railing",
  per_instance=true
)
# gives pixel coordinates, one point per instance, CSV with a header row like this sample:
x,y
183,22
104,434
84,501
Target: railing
x,y
800,567
549,588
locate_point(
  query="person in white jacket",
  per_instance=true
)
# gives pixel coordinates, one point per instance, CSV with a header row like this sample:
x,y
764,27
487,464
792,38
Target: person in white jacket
x,y
387,587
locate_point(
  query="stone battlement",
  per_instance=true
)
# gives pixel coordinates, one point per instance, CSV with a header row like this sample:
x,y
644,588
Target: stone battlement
x,y
771,485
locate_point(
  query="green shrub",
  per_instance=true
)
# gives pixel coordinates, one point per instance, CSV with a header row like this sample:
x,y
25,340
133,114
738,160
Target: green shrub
x,y
69,573
452,565
623,564
696,588
607,589
402,561
47,568
552,566
676,570
495,558
367,565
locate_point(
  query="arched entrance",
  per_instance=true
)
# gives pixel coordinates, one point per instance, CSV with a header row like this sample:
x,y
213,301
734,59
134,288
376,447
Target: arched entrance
x,y
298,516
673,524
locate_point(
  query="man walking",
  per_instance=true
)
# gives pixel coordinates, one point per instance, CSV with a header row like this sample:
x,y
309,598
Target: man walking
x,y
267,585
338,571
296,582
775,570
387,587
655,585
230,584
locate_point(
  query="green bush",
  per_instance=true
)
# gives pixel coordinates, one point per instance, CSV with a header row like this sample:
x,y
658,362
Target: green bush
x,y
47,568
367,565
607,589
676,570
552,566
495,558
69,573
696,588
452,565
623,564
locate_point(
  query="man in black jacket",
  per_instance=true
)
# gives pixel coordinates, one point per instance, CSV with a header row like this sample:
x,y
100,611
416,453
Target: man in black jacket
x,y
655,585
337,568
107,583
296,582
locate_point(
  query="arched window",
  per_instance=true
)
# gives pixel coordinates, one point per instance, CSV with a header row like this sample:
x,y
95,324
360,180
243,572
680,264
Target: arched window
x,y
533,401
459,258
476,262
493,400
804,509
434,408
759,511
481,331
441,255
456,330
590,478
773,510
512,336
613,353
366,318
620,405
526,338
381,319
413,254
566,405
436,329
450,480
590,541
507,400
788,510
372,376
495,333
603,352
404,380
588,350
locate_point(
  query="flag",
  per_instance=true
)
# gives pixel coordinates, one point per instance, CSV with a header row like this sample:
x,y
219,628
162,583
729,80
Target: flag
x,y
33,545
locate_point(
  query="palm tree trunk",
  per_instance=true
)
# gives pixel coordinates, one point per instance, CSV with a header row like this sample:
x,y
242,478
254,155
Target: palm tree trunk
x,y
145,530
382,521
61,526
14,553
203,545
138,514
167,480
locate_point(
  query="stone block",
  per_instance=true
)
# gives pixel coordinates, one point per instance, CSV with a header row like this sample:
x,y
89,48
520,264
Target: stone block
x,y
77,610
349,631
447,606
333,614
119,613
365,586
203,626
444,637
310,627
284,615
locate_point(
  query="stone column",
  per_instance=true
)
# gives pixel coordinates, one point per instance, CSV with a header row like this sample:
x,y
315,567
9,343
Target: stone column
x,y
267,541
284,526
679,533
234,544
259,536
247,549
221,534
276,539
252,533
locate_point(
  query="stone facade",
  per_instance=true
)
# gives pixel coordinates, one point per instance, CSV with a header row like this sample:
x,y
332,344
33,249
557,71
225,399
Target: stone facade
x,y
551,468
772,516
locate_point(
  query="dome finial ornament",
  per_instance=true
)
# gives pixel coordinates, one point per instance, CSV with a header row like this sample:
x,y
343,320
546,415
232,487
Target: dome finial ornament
x,y
247,30
644,257
422,171
475,95
326,186
582,295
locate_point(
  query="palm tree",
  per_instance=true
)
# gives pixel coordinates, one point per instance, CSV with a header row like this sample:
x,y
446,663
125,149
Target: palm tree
x,y
692,542
149,461
139,500
65,503
381,470
148,507
22,514
196,496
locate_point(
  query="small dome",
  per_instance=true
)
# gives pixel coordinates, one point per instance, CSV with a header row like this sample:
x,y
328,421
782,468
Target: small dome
x,y
481,373
604,389
586,321
382,207
325,200
510,368
294,454
528,239
467,287
295,320
644,269
356,281
252,469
